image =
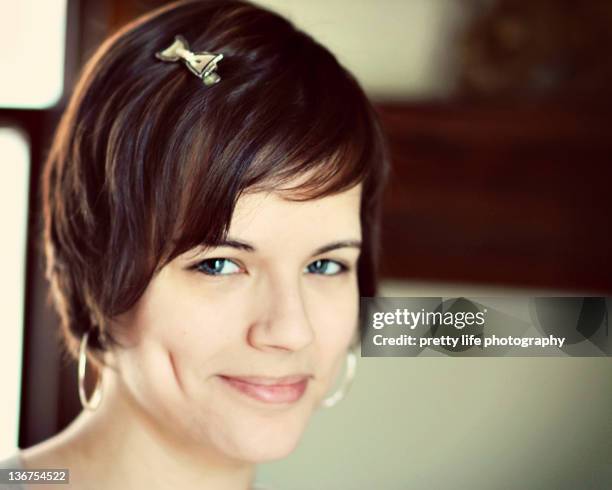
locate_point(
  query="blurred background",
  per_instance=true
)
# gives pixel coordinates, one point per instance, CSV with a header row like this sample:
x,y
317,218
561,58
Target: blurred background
x,y
498,117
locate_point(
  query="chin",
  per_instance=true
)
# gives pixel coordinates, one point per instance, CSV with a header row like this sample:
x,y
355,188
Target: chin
x,y
269,450
261,442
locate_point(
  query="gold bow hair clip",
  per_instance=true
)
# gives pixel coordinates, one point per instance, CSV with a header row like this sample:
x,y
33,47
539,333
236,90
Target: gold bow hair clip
x,y
202,64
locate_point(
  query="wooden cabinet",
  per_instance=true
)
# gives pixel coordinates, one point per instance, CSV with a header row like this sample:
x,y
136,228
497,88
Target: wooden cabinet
x,y
516,194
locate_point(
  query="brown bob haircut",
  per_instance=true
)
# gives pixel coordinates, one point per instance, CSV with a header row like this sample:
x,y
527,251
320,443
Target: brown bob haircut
x,y
148,162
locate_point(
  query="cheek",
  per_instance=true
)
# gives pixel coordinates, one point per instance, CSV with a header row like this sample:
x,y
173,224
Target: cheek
x,y
180,340
336,307
197,331
179,312
176,334
335,323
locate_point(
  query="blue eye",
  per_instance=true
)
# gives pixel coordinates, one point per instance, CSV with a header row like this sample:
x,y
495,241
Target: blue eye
x,y
217,267
326,267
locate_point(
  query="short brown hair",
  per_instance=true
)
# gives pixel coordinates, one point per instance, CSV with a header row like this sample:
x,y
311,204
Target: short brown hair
x,y
147,162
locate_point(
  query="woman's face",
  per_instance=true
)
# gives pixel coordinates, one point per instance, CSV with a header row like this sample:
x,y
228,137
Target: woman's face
x,y
217,330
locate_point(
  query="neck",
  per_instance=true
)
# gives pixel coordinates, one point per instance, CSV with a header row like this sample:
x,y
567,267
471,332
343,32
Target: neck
x,y
119,446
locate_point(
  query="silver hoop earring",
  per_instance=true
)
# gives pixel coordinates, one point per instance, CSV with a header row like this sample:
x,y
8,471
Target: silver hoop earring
x,y
96,397
351,365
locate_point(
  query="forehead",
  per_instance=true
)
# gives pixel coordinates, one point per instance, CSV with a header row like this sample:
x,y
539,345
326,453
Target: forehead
x,y
271,214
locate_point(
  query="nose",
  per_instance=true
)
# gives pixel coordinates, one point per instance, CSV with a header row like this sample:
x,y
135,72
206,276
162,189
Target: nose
x,y
283,322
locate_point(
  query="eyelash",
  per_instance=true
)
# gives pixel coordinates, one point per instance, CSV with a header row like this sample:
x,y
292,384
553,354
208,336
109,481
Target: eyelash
x,y
343,268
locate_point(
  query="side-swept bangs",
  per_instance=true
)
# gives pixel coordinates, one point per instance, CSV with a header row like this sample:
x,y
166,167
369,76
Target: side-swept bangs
x,y
148,162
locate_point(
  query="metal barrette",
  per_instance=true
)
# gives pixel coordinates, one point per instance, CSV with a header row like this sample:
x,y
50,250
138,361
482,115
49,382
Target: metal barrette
x,y
202,64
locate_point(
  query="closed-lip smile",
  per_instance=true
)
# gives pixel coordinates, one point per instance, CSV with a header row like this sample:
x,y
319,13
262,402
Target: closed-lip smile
x,y
285,389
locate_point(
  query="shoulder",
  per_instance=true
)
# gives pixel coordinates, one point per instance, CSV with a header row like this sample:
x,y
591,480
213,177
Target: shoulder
x,y
56,452
13,462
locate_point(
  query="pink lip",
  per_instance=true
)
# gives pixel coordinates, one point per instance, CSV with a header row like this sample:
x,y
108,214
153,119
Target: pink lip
x,y
270,390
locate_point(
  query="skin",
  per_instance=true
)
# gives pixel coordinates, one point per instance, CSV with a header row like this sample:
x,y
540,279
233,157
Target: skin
x,y
166,417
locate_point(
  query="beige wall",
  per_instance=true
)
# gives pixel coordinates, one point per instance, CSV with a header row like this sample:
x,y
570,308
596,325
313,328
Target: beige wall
x,y
396,48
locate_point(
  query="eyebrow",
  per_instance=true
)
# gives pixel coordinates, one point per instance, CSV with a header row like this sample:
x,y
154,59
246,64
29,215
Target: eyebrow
x,y
239,244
